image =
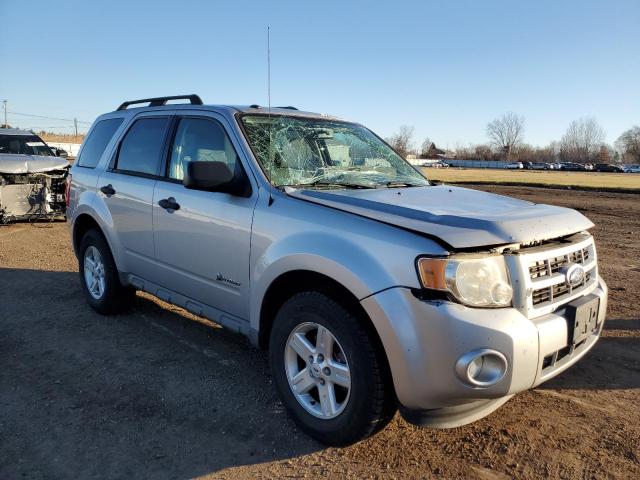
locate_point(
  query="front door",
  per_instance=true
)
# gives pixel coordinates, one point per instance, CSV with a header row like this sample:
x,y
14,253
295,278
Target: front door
x,y
202,248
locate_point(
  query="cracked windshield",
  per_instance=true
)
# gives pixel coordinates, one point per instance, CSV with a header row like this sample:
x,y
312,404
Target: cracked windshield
x,y
295,151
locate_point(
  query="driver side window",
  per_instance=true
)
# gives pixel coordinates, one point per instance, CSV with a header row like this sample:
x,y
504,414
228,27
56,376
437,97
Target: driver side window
x,y
197,140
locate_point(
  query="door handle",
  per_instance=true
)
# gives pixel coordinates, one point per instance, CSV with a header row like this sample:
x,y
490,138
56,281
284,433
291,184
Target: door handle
x,y
169,204
108,190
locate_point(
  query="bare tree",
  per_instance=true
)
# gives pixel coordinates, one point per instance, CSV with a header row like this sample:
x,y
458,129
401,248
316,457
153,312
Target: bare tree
x,y
506,132
582,140
402,141
526,153
546,154
426,147
483,152
629,145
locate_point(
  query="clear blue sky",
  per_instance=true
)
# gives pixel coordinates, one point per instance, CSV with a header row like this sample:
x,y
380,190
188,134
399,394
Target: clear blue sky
x,y
446,68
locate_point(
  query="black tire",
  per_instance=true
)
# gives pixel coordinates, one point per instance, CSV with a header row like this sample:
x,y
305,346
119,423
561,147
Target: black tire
x,y
116,297
371,403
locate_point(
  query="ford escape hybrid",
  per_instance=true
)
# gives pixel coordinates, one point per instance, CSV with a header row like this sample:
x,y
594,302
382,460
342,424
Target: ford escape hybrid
x,y
371,288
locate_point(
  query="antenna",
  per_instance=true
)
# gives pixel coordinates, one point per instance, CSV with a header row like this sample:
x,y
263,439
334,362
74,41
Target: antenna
x,y
271,156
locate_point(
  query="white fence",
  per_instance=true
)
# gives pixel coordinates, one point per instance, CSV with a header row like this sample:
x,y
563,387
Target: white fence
x,y
70,148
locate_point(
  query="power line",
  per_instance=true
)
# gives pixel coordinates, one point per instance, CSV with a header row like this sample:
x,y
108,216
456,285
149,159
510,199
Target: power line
x,y
48,118
45,127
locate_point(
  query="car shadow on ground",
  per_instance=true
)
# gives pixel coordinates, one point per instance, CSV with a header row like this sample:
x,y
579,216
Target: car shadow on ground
x,y
151,393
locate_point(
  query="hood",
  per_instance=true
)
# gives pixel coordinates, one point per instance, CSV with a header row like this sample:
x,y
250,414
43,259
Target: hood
x,y
16,164
461,217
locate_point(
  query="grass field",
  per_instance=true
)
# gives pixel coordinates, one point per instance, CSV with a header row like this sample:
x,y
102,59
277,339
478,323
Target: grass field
x,y
586,180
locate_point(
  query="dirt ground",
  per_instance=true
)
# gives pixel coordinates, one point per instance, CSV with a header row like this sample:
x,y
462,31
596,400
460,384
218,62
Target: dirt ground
x,y
158,393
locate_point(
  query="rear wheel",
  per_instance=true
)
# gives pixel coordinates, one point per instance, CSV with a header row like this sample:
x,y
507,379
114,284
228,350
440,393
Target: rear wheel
x,y
328,372
99,276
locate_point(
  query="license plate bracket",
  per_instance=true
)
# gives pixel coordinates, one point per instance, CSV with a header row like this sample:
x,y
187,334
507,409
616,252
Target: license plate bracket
x,y
582,318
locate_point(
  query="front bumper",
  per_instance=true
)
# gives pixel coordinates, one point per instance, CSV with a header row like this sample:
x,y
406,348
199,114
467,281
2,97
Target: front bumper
x,y
424,339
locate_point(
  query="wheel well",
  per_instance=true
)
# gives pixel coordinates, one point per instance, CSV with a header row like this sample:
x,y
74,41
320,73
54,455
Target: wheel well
x,y
82,225
290,283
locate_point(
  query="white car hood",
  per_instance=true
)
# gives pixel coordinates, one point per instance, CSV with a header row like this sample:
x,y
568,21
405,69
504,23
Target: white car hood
x,y
17,164
461,217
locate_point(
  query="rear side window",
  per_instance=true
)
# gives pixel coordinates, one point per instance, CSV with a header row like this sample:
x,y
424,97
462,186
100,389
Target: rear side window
x,y
97,141
141,147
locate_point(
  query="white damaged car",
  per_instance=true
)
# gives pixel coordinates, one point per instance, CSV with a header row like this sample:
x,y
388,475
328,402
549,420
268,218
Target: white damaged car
x,y
32,178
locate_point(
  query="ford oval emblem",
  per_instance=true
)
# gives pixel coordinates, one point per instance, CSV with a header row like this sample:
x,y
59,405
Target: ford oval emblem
x,y
575,275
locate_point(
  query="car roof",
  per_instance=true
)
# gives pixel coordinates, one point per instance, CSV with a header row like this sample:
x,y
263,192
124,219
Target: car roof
x,y
165,105
229,110
16,131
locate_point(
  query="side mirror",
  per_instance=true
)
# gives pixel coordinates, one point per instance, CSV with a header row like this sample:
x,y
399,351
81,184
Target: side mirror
x,y
215,177
59,152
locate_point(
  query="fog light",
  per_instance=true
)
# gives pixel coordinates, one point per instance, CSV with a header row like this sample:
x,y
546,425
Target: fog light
x,y
481,368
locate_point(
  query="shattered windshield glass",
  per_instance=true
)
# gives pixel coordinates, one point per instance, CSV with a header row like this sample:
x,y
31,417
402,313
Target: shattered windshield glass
x,y
297,151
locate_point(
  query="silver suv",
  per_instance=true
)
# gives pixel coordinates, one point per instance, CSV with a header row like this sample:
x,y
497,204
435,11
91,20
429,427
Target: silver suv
x,y
371,288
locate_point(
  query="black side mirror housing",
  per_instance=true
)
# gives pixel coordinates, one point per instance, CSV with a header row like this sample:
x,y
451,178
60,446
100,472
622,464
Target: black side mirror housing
x,y
59,152
215,177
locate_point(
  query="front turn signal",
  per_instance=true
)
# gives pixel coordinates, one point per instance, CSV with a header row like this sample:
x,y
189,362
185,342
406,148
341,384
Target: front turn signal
x,y
432,272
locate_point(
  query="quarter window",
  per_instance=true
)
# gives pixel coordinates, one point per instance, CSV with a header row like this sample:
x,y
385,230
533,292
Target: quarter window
x,y
198,140
141,147
97,141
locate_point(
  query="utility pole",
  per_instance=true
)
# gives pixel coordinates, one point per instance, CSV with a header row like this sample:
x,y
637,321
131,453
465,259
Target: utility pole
x,y
4,103
75,125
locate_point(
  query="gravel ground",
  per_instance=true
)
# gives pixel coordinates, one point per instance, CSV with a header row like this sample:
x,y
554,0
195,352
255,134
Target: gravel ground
x,y
158,393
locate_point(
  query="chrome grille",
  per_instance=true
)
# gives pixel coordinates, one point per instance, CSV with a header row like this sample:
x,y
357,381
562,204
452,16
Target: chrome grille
x,y
549,266
557,291
542,273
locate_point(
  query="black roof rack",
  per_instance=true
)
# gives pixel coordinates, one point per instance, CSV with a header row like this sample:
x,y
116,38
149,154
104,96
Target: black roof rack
x,y
160,101
255,105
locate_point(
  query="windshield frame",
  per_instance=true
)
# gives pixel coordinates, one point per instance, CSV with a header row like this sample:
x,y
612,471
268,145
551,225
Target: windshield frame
x,y
240,115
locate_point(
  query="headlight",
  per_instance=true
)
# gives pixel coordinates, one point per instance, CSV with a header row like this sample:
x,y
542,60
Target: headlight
x,y
477,282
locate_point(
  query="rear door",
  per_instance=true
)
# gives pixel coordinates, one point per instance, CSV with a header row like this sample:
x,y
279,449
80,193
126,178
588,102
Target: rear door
x,y
127,189
202,248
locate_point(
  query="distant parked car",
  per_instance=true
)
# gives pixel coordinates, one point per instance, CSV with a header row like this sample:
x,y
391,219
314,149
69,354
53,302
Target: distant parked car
x,y
432,164
527,165
632,168
541,166
573,167
514,166
608,167
435,164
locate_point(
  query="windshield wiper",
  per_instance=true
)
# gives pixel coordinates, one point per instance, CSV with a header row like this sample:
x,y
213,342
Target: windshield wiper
x,y
400,184
325,183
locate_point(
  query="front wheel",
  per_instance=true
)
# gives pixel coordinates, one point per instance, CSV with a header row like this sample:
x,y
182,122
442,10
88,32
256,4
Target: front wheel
x,y
329,373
